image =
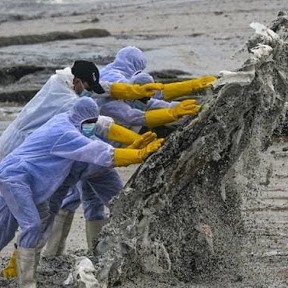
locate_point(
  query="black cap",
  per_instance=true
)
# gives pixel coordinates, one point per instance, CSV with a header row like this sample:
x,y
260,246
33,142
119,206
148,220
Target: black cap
x,y
87,71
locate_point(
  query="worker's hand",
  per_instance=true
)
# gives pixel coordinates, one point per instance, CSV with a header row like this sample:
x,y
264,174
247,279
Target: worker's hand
x,y
203,82
10,271
148,137
186,107
143,140
134,91
151,148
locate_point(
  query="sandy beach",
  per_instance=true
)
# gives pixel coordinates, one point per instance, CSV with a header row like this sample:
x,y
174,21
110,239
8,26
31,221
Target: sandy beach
x,y
196,37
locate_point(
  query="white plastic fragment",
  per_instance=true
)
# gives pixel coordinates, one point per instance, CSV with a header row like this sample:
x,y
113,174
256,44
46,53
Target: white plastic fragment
x,y
264,31
83,274
261,51
241,77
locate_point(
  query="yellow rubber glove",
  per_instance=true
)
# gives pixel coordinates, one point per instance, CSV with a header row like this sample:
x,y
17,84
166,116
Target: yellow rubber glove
x,y
122,134
178,89
143,141
158,117
186,107
134,91
125,157
11,270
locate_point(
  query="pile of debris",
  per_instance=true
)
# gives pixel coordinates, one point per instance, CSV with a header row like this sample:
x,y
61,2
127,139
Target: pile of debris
x,y
181,213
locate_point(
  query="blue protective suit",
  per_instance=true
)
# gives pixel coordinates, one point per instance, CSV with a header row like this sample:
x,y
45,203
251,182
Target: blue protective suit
x,y
35,170
108,184
98,190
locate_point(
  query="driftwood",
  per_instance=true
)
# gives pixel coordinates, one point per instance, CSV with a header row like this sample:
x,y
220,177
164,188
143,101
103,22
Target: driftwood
x,y
180,214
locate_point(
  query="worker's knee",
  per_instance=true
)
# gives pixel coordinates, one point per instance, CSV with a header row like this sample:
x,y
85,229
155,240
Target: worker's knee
x,y
30,236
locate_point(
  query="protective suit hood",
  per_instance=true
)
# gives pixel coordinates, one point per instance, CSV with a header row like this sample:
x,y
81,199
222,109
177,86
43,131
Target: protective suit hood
x,y
127,61
84,108
141,78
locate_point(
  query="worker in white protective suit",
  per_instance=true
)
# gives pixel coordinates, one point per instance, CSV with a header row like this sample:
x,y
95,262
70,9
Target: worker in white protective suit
x,y
33,172
94,193
131,60
58,95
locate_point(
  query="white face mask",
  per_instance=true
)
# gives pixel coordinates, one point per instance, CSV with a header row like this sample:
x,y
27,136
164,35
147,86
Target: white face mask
x,y
88,129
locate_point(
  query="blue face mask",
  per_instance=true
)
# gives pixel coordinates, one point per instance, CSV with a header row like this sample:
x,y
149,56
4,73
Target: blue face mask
x,y
88,129
86,93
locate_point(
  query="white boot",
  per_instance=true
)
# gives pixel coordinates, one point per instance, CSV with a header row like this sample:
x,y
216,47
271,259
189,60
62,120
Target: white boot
x,y
92,231
26,267
55,245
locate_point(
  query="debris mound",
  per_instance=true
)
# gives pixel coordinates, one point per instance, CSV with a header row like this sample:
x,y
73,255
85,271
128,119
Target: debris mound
x,y
180,215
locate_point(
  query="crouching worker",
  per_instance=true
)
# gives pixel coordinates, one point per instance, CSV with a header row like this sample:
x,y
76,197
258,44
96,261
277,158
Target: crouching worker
x,y
31,174
93,192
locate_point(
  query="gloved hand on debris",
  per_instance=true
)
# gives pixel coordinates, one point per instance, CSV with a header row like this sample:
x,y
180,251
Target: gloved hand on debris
x,y
151,148
125,156
178,89
186,107
143,141
158,117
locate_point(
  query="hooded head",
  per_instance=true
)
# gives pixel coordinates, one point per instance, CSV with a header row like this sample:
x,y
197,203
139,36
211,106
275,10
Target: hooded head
x,y
84,109
128,60
141,78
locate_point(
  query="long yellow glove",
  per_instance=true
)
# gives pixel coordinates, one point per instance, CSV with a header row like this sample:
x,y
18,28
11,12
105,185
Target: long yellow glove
x,y
134,91
178,89
122,134
158,117
10,271
125,157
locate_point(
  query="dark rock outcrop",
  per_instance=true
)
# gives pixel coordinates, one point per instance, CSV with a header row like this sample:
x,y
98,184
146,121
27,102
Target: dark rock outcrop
x,y
52,36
